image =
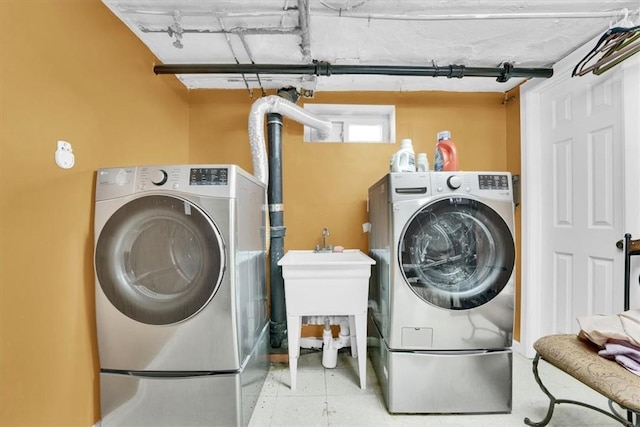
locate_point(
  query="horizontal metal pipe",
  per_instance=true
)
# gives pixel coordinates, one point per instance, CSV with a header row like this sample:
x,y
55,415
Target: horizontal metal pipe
x,y
249,14
326,69
413,16
286,31
470,16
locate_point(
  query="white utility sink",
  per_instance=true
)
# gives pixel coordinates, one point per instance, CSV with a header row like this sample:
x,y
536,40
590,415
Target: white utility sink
x,y
327,284
348,257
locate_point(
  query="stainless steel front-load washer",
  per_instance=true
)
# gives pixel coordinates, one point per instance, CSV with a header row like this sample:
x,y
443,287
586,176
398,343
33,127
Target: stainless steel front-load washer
x,y
442,293
180,294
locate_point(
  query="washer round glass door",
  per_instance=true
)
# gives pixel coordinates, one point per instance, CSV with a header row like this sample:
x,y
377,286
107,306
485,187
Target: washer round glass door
x,y
457,253
159,259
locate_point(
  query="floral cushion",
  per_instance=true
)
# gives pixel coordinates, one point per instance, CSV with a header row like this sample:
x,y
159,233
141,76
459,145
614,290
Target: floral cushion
x,y
579,358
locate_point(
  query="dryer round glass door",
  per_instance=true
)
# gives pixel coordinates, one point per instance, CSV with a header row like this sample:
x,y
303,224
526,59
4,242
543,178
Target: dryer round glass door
x,y
457,253
159,259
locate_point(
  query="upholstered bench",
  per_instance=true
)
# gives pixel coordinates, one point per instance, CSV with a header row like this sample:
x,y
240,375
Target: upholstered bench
x,y
579,358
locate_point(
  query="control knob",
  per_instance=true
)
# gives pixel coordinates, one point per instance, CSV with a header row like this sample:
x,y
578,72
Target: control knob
x,y
159,177
454,182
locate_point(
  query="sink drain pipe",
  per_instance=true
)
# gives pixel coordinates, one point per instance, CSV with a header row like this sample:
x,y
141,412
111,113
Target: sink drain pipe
x,y
268,169
328,343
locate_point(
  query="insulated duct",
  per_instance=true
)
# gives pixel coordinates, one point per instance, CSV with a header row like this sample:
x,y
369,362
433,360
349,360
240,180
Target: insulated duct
x,y
276,104
268,169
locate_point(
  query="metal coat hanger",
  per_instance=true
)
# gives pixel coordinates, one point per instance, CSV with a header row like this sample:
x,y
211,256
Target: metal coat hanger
x,y
615,56
615,45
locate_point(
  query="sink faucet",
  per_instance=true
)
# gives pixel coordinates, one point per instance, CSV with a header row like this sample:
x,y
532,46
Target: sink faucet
x,y
324,248
325,233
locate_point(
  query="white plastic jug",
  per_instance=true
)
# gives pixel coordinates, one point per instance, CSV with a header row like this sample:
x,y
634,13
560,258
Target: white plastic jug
x,y
422,163
404,160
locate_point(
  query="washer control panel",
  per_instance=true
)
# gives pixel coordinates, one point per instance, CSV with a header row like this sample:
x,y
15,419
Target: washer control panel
x,y
447,181
493,182
496,185
454,182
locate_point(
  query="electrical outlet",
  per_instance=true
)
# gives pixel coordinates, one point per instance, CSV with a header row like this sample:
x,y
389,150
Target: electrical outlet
x,y
64,155
64,146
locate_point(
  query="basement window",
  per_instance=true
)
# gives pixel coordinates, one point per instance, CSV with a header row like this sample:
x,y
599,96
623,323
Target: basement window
x,y
354,123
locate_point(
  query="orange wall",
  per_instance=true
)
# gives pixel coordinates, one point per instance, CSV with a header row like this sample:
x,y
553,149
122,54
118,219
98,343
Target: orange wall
x,y
71,70
68,70
325,185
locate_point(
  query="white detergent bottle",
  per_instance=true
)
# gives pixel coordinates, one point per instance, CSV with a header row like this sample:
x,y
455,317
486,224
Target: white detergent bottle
x,y
404,160
422,163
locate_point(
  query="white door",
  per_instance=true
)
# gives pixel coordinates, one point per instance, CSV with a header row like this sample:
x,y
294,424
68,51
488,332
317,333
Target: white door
x,y
580,196
583,207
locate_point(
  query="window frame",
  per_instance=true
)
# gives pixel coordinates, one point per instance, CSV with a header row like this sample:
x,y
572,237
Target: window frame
x,y
347,115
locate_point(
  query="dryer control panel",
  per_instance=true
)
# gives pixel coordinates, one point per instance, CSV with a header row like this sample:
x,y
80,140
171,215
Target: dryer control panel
x,y
214,180
209,176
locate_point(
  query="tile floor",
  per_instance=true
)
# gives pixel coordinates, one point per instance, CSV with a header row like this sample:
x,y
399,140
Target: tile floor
x,y
332,397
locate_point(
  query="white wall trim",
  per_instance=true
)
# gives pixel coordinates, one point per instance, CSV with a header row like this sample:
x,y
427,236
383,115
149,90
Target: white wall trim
x,y
531,257
631,126
517,348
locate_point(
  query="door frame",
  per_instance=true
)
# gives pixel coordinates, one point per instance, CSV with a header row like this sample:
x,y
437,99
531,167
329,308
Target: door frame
x,y
533,170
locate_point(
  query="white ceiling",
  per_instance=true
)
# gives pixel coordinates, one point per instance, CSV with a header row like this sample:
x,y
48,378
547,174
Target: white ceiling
x,y
438,33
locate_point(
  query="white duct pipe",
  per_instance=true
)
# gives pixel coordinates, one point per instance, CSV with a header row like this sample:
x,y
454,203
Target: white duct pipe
x,y
276,104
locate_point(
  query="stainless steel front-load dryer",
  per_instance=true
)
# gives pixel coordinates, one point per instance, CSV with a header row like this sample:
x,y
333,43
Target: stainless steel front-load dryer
x,y
442,296
180,294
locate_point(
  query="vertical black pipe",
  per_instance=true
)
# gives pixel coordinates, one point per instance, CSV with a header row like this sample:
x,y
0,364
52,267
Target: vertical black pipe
x,y
627,270
278,325
627,292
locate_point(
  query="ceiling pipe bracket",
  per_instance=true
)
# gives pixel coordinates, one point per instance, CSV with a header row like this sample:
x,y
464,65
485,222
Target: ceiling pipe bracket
x,y
506,75
322,68
456,72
